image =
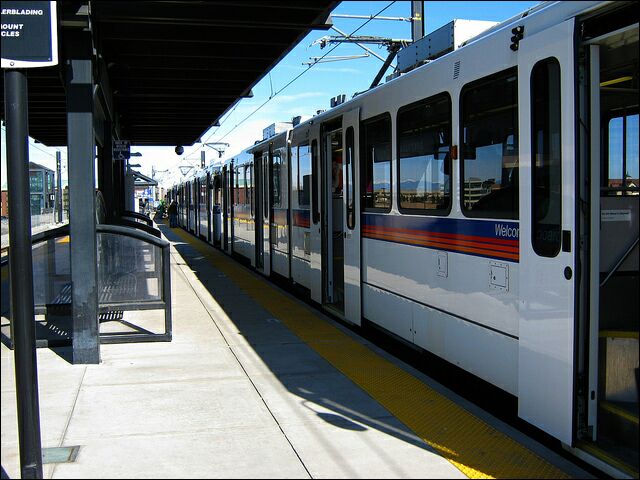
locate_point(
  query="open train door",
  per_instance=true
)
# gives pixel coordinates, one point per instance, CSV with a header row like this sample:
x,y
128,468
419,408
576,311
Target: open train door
x,y
263,213
351,216
316,224
547,230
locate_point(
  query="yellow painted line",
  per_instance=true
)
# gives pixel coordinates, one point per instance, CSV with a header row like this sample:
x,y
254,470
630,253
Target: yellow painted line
x,y
64,239
621,412
618,334
477,449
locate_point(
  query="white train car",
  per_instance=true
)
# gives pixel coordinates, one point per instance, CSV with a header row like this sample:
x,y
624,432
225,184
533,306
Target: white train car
x,y
483,207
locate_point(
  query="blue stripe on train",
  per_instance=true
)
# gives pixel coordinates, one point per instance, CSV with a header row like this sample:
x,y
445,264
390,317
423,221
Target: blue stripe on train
x,y
489,229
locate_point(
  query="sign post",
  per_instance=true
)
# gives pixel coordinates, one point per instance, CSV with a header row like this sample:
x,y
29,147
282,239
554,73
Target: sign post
x,y
29,39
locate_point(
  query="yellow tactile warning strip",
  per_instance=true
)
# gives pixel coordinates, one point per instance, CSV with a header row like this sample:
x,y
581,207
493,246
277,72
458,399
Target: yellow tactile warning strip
x,y
469,443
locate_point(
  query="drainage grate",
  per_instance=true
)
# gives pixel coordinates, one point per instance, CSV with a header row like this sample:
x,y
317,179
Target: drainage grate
x,y
60,454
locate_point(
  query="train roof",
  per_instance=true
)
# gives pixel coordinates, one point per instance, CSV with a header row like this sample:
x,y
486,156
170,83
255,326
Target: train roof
x,y
535,19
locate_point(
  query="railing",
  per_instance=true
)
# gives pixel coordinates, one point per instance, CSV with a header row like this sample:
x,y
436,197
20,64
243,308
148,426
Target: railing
x,y
134,224
139,217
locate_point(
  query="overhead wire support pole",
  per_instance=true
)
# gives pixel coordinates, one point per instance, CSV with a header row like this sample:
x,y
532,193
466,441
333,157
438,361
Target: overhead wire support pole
x,y
393,51
21,274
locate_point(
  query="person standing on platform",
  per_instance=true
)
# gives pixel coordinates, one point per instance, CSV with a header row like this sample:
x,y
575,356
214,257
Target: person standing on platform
x,y
173,214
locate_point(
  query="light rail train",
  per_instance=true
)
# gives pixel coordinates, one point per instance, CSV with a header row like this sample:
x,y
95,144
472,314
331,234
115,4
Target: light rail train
x,y
482,206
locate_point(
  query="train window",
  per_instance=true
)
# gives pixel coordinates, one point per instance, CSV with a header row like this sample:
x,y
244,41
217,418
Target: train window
x,y
245,190
546,154
294,174
621,178
265,186
489,154
236,197
314,181
250,186
424,166
276,180
377,165
350,178
304,176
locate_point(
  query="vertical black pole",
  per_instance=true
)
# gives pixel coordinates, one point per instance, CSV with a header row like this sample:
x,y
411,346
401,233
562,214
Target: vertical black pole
x,y
59,186
21,274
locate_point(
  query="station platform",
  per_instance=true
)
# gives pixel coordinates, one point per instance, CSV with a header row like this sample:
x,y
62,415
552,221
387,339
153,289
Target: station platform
x,y
257,384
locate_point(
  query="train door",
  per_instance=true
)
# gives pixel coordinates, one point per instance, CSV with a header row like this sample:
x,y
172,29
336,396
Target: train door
x,y
611,287
225,208
232,202
263,212
197,186
315,230
189,205
209,202
332,217
351,212
216,210
546,366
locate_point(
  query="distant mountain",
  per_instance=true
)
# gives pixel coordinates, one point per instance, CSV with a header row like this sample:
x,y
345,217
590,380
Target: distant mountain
x,y
416,185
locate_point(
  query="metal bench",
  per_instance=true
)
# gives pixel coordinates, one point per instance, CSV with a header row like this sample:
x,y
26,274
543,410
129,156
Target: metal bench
x,y
134,273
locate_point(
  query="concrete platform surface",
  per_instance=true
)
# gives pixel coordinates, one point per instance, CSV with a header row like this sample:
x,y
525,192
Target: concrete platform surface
x,y
236,394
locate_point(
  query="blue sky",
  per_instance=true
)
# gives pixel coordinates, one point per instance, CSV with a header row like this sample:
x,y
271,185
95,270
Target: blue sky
x,y
313,90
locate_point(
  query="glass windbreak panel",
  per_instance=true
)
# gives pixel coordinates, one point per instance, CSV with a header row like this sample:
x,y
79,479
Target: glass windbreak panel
x,y
304,176
350,179
424,138
546,155
51,272
377,165
490,147
129,270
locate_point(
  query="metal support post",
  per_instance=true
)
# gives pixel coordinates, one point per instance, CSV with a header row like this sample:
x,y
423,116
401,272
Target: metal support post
x,y
82,225
417,20
105,168
21,274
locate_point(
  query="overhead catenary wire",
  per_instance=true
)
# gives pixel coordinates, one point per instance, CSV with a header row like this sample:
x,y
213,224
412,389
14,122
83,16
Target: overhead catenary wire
x,y
36,147
294,79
